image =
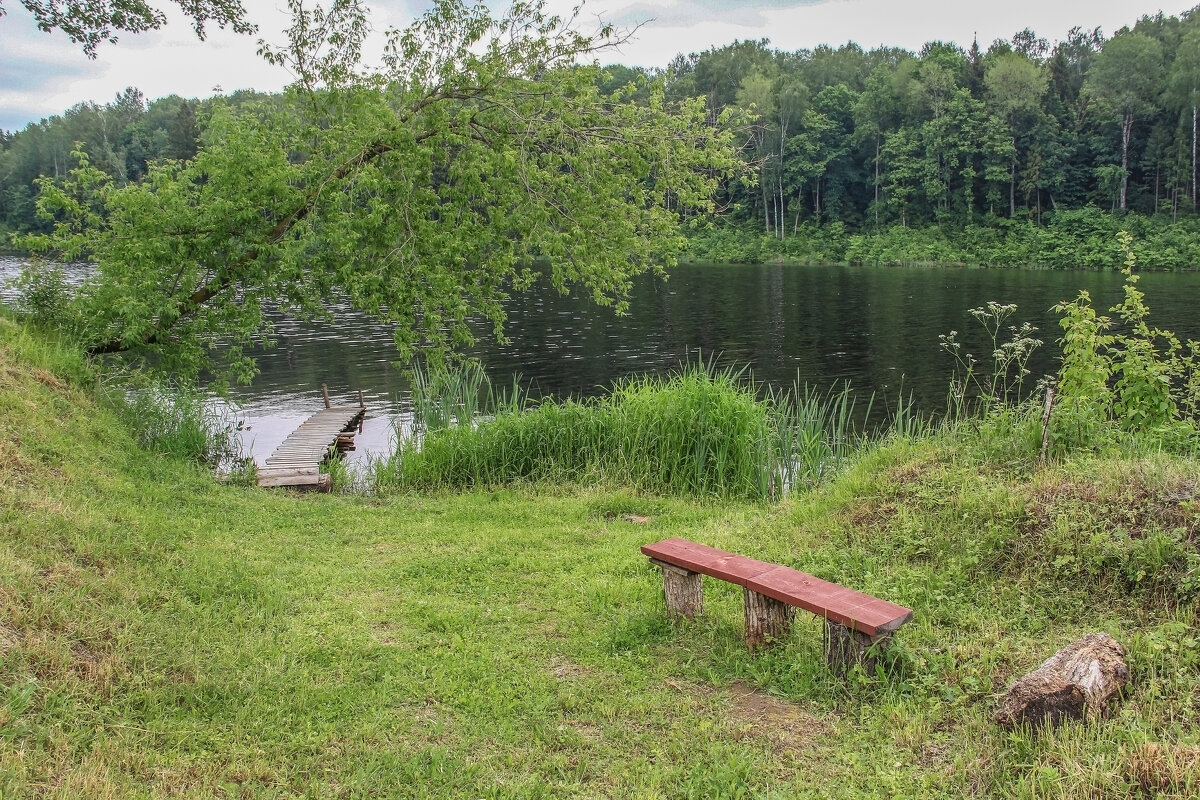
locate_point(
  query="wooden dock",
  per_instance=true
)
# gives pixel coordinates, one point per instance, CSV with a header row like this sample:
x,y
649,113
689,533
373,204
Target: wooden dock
x,y
297,461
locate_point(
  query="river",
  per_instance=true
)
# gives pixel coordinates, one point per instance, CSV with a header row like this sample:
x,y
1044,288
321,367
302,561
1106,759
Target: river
x,y
875,327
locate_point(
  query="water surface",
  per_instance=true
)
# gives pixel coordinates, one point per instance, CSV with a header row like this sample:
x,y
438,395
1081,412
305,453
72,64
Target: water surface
x,y
875,327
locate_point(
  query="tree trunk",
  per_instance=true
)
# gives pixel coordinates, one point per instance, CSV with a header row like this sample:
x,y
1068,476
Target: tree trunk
x,y
1126,135
1077,682
846,648
766,208
877,183
780,226
767,619
1012,190
1193,158
683,591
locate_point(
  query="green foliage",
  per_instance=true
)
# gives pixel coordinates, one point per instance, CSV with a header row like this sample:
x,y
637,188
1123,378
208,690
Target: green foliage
x,y
1068,239
419,193
163,634
176,420
700,432
45,297
91,24
989,156
1083,390
444,398
1138,376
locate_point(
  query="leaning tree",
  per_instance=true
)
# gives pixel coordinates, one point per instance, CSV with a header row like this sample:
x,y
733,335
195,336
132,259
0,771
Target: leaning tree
x,y
478,157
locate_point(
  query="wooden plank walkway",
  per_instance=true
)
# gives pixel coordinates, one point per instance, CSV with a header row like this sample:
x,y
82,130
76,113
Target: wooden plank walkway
x,y
296,462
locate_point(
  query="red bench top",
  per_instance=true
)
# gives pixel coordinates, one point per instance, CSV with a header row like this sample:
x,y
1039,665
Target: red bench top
x,y
855,610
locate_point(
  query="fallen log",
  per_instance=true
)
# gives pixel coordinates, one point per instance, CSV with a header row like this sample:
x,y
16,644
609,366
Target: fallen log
x,y
1077,682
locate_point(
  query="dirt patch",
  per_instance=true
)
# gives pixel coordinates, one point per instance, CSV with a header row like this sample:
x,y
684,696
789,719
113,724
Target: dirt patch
x,y
59,573
1135,506
788,727
8,639
564,669
908,472
383,633
48,379
95,664
871,513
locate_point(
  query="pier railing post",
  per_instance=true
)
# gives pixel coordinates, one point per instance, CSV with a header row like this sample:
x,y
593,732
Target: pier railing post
x,y
325,394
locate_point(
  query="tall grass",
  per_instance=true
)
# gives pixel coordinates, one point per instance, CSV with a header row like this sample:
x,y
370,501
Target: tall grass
x,y
178,421
700,432
45,350
171,419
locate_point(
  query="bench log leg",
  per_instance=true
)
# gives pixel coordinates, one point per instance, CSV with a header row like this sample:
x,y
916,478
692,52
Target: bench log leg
x,y
767,619
683,591
846,648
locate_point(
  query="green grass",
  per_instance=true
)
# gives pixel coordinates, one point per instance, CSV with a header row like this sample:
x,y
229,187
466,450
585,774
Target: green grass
x,y
699,432
176,421
164,635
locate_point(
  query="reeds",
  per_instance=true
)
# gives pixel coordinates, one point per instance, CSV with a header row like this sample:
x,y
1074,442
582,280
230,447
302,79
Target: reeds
x,y
179,421
700,432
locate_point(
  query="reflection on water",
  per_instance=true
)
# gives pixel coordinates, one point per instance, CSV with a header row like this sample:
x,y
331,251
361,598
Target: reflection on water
x,y
875,327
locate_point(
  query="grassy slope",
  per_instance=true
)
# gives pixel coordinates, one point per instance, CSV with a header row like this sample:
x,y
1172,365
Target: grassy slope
x,y
163,635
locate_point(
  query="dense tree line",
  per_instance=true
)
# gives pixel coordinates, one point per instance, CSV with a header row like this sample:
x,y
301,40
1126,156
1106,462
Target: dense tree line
x,y
954,137
860,140
123,138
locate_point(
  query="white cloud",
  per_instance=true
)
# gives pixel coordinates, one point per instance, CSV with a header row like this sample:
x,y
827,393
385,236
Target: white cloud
x,y
44,74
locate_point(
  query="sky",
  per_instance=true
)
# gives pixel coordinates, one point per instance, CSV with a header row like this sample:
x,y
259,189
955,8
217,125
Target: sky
x,y
43,74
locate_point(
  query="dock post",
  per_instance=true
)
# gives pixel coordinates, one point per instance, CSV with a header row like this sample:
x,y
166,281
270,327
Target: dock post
x,y
325,393
361,404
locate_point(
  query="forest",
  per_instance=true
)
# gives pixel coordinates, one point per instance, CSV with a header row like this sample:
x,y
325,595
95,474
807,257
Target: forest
x,y
1024,152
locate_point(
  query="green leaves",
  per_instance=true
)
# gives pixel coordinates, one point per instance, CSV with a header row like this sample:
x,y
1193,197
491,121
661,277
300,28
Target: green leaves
x,y
419,193
1141,377
91,23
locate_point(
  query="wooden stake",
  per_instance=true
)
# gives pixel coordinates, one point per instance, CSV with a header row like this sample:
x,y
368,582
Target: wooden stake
x,y
325,393
361,404
767,619
1046,424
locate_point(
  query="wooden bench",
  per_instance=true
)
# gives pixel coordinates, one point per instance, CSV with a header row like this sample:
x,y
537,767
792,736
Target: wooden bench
x,y
857,626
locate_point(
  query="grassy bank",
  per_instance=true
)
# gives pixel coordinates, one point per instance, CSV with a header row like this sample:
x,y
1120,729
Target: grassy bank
x,y
162,634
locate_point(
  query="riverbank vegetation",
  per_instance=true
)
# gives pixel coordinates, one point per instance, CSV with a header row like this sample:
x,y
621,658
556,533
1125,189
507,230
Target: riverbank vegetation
x,y
165,634
1066,240
699,432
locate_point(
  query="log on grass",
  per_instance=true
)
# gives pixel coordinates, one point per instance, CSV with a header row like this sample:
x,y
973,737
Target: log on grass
x,y
1077,682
